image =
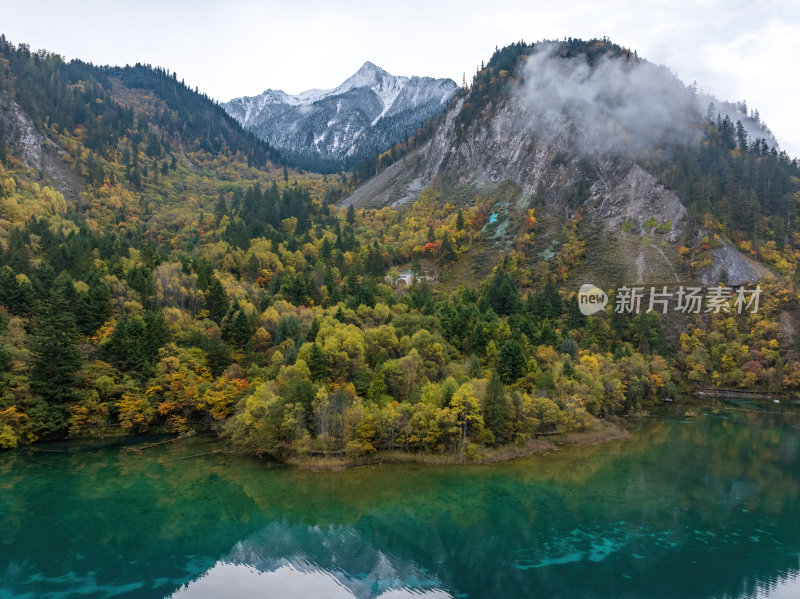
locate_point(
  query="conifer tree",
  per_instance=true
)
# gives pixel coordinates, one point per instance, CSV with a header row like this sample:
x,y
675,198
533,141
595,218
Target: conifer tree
x,y
497,409
512,361
216,301
56,356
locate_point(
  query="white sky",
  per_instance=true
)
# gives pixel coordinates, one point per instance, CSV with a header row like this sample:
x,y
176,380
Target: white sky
x,y
736,49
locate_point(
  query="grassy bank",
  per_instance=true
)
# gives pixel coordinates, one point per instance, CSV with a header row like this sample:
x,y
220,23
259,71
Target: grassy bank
x,y
607,431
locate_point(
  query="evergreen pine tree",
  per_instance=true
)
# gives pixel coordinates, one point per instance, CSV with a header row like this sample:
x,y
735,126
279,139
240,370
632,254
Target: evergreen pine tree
x,y
216,300
575,318
56,357
512,361
92,308
316,363
497,409
447,248
312,332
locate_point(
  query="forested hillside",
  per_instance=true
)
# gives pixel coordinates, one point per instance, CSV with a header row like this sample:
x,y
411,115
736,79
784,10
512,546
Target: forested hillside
x,y
163,270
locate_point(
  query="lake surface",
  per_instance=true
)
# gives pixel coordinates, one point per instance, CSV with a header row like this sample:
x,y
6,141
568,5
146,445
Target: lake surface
x,y
701,508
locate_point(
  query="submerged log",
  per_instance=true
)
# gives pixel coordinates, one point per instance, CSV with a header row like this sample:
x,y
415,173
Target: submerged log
x,y
157,443
198,455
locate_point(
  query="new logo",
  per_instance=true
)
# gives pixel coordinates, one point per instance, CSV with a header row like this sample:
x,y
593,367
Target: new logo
x,y
591,299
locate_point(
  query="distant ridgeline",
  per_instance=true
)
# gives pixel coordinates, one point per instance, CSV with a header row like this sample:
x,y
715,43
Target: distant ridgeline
x,y
75,93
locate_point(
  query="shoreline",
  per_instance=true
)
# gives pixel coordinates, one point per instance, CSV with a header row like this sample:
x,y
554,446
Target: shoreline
x,y
607,432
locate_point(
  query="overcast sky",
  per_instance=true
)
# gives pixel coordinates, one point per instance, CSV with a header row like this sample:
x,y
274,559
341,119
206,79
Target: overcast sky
x,y
736,49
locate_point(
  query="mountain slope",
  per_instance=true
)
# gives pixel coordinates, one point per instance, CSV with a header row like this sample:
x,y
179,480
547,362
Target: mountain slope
x,y
589,130
366,113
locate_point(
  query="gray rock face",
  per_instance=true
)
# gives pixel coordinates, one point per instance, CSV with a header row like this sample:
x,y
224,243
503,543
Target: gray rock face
x,y
398,184
36,150
730,266
501,147
635,197
367,112
22,137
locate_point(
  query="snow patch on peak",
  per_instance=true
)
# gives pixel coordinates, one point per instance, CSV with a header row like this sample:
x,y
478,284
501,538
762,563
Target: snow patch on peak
x,y
383,84
369,110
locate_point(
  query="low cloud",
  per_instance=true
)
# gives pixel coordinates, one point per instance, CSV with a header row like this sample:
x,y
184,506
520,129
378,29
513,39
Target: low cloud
x,y
614,106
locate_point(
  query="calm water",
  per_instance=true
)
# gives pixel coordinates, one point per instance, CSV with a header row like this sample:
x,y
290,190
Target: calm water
x,y
683,509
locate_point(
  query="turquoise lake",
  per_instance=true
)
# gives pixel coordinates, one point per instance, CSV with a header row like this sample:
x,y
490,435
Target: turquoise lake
x,y
707,507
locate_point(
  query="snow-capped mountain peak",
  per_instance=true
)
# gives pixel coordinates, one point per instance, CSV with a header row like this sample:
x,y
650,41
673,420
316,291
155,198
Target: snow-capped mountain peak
x,y
368,111
386,86
371,76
